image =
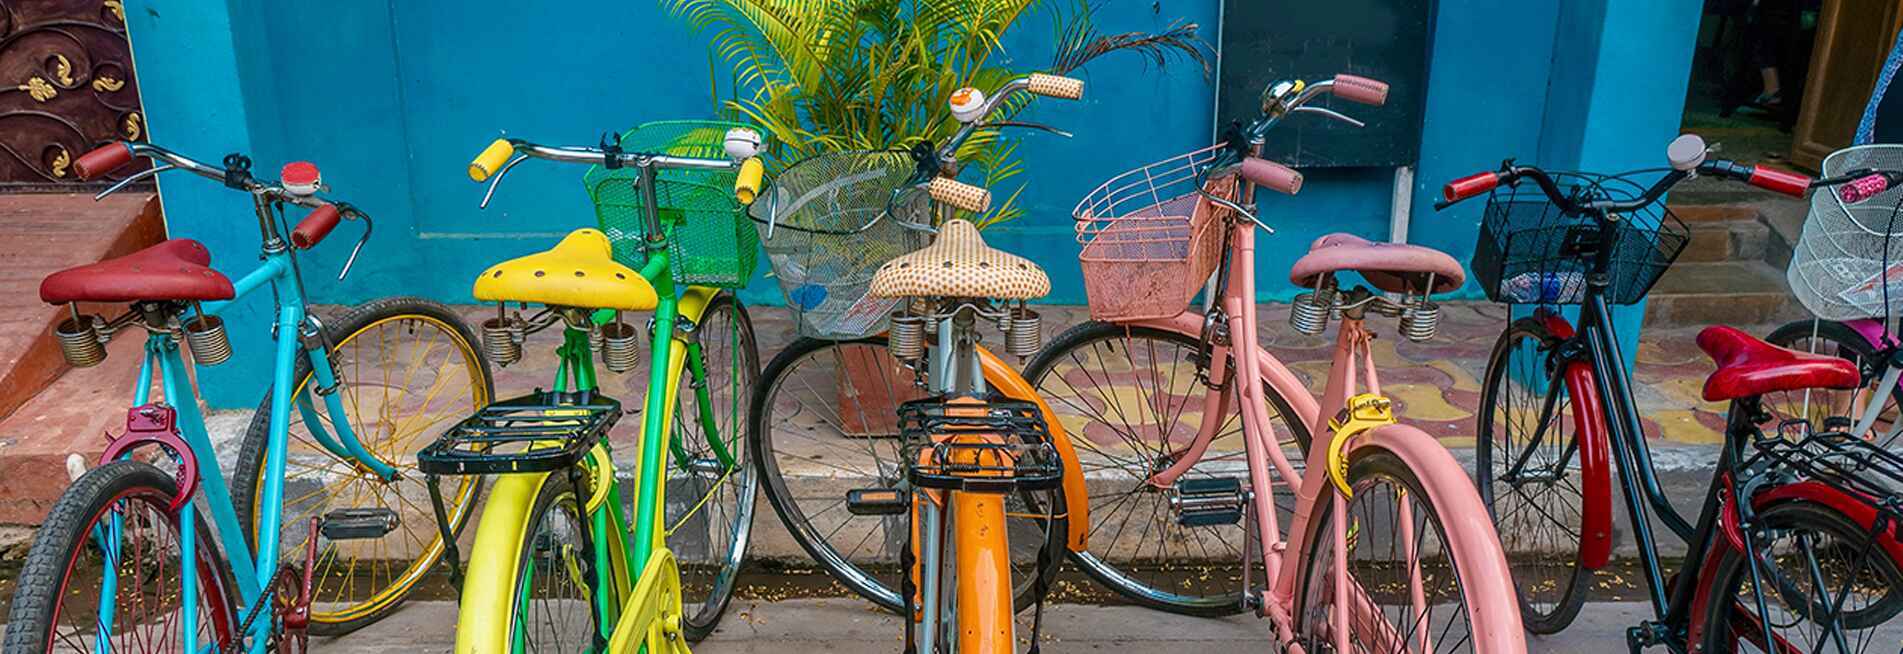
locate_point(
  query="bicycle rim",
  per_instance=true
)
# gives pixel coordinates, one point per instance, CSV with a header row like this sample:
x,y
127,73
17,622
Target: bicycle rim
x,y
710,503
1403,590
1802,542
1536,509
1132,401
555,600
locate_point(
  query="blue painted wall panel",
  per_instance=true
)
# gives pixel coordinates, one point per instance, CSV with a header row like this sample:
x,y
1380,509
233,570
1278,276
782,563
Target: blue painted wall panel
x,y
392,99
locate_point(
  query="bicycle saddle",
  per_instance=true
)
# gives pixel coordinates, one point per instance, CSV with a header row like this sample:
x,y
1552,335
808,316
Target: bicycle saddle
x,y
1748,367
178,270
578,272
1391,267
959,264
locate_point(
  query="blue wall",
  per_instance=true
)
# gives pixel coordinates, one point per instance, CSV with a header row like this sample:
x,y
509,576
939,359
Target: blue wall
x,y
392,99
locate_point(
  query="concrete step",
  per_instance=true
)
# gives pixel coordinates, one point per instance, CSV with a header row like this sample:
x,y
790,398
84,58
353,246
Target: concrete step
x,y
1728,240
1723,292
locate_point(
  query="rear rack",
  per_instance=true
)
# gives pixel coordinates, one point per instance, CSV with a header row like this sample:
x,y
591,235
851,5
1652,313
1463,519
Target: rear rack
x,y
1870,473
982,446
532,433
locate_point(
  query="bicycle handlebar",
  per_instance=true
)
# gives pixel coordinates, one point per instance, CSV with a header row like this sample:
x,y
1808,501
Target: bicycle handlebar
x,y
494,162
1687,156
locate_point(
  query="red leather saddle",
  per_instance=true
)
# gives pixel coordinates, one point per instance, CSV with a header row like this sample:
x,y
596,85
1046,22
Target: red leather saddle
x,y
1391,267
1748,367
178,269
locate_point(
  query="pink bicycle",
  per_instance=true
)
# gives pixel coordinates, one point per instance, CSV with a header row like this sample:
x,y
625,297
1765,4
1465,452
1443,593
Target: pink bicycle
x,y
1387,546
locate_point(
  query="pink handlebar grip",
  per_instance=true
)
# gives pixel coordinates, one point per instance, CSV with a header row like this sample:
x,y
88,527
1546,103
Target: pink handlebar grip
x,y
1469,186
1864,188
103,159
313,228
1271,175
1361,89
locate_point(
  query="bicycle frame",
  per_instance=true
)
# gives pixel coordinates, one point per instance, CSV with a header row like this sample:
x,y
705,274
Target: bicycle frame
x,y
163,363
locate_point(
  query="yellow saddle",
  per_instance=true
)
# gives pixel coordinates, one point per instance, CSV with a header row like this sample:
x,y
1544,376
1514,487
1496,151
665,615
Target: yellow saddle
x,y
578,272
959,264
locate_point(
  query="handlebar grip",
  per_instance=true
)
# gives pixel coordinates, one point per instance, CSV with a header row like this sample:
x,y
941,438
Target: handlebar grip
x,y
1864,188
1056,86
315,226
746,185
1772,179
102,160
959,194
1469,186
1271,175
1361,89
491,160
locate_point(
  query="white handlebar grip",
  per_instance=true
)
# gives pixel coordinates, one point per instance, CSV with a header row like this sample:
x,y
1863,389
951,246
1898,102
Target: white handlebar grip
x,y
1056,86
959,194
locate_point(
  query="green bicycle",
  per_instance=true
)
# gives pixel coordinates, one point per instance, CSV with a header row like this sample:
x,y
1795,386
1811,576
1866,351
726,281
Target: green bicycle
x,y
560,563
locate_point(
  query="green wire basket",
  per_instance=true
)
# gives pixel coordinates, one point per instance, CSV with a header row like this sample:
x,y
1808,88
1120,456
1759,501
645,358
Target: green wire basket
x,y
710,240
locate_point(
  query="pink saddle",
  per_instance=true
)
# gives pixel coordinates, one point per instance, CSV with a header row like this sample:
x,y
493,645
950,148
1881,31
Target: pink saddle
x,y
1391,267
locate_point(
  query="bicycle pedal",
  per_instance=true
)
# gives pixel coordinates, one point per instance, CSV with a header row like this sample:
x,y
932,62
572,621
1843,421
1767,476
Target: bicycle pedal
x,y
1209,501
877,501
359,523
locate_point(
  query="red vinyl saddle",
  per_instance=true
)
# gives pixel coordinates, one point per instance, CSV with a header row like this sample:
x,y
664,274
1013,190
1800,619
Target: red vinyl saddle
x,y
178,270
1748,367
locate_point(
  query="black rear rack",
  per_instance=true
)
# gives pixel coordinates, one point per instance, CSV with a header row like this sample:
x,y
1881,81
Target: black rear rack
x,y
990,446
1870,473
532,433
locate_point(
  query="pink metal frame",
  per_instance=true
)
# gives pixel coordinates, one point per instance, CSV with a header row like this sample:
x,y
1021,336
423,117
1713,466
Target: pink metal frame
x,y
1495,615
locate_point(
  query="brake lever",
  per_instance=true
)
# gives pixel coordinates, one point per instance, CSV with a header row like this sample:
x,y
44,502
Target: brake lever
x,y
1329,113
496,180
121,184
1232,206
352,213
1017,123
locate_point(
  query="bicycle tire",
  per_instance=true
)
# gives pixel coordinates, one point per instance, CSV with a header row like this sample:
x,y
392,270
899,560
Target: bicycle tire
x,y
1158,585
358,325
53,561
878,588
1548,577
1367,467
702,614
1731,577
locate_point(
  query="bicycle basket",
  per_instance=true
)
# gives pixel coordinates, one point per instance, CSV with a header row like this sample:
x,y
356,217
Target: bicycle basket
x,y
1149,240
826,231
1837,268
1531,252
709,240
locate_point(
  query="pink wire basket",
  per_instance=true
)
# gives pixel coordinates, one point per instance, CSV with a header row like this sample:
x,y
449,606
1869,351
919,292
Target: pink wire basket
x,y
1150,241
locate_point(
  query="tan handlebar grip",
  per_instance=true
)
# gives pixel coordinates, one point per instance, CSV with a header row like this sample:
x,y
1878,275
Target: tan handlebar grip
x,y
746,185
959,194
1056,86
491,159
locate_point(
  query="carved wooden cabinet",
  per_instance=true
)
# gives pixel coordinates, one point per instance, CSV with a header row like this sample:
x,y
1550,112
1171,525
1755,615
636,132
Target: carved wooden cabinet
x,y
65,85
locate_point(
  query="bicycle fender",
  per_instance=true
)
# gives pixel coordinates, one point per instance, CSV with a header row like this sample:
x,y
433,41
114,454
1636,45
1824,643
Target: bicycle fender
x,y
487,605
1857,509
694,301
1466,521
1006,380
1595,464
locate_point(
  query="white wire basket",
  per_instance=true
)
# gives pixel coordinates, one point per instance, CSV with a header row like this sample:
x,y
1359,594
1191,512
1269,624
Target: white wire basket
x,y
1838,268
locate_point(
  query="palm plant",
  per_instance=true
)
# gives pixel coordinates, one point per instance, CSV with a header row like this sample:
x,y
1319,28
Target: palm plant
x,y
832,75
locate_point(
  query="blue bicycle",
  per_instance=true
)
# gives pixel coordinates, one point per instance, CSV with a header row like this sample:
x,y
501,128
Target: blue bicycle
x,y
327,525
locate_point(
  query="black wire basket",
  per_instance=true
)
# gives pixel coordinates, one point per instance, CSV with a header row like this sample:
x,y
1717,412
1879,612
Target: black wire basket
x,y
1531,252
990,446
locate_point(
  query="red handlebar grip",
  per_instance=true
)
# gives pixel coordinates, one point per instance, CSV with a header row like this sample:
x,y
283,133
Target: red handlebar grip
x,y
1772,179
1271,175
1361,89
1469,186
314,227
102,160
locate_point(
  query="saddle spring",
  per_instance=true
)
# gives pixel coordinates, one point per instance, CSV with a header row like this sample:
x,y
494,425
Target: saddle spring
x,y
906,337
1023,331
620,345
81,341
206,337
502,339
1310,312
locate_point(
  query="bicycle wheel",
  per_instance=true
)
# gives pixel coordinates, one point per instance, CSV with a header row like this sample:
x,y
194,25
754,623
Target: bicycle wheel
x,y
1819,405
57,606
1394,534
1536,508
1130,399
1803,542
554,609
823,422
408,368
710,504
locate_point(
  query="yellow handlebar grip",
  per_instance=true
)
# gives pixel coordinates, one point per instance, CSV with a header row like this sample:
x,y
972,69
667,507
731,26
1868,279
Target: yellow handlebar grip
x,y
491,160
1055,86
747,184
